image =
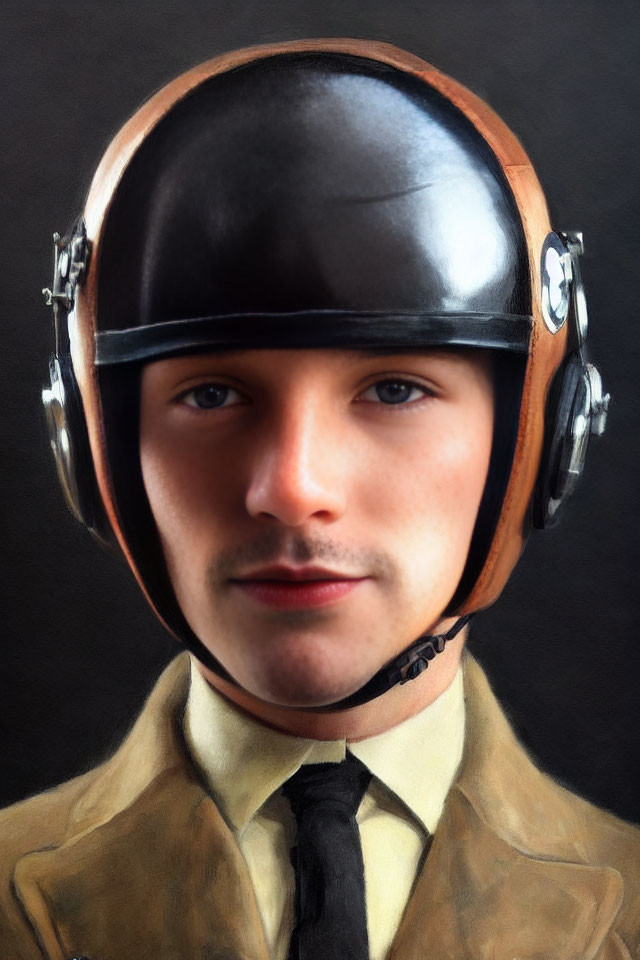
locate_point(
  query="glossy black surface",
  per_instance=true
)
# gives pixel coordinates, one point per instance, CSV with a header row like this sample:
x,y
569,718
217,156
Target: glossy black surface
x,y
313,328
308,183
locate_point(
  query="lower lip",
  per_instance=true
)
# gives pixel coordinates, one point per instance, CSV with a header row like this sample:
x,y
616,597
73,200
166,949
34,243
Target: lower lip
x,y
296,594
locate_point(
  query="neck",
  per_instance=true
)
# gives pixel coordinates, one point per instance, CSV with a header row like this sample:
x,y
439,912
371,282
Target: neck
x,y
357,723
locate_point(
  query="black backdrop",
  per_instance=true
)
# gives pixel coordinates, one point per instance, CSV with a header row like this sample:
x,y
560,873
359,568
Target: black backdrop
x,y
80,649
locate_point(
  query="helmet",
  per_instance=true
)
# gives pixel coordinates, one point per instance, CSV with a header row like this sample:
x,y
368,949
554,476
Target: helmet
x,y
323,193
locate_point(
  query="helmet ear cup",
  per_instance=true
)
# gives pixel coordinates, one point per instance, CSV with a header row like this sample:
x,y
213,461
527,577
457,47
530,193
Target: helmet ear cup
x,y
567,428
577,405
70,446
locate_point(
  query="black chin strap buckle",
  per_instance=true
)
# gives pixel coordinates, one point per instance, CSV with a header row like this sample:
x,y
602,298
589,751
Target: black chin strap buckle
x,y
416,659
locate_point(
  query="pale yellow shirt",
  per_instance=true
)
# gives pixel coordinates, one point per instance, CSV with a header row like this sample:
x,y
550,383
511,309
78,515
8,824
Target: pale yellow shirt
x,y
245,764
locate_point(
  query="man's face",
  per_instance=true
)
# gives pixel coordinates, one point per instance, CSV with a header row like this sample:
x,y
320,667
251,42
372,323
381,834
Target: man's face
x,y
315,507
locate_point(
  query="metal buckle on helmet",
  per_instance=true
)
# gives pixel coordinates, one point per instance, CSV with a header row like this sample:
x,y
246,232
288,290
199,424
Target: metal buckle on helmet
x,y
55,401
69,267
598,401
575,245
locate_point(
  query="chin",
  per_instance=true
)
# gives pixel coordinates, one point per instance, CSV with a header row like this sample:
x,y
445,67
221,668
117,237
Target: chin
x,y
304,685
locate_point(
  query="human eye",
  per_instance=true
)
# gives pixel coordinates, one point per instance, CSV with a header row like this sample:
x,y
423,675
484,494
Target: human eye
x,y
394,391
210,396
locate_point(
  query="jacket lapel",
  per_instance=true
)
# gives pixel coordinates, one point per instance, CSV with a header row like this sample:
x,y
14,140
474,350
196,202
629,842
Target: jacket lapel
x,y
150,868
478,897
505,877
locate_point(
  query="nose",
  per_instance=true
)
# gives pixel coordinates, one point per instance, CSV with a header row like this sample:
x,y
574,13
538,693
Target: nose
x,y
297,467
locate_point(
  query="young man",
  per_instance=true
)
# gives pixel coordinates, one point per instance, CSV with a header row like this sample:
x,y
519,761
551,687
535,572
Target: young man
x,y
306,335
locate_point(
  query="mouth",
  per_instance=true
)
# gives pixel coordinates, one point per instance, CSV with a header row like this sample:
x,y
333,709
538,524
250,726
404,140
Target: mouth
x,y
296,588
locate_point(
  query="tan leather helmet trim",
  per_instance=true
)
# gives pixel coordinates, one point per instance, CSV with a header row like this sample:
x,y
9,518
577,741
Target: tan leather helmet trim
x,y
546,349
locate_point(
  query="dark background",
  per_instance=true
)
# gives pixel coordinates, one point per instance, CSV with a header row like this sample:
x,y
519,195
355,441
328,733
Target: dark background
x,y
80,648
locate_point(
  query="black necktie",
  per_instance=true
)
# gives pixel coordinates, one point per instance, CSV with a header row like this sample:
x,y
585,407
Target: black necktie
x,y
331,914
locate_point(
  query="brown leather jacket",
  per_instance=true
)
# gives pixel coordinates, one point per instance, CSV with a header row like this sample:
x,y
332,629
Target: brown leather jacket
x,y
133,861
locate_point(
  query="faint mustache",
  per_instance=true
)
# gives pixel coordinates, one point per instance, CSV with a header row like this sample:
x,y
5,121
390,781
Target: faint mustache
x,y
280,547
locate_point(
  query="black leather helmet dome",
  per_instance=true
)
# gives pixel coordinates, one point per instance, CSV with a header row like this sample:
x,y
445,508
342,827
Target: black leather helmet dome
x,y
306,182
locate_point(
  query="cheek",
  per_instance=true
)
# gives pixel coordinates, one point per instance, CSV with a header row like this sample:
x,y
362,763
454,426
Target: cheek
x,y
460,469
187,500
426,494
188,493
437,474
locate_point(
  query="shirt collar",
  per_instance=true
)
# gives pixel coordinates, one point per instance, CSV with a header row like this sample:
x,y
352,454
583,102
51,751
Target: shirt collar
x,y
418,759
244,762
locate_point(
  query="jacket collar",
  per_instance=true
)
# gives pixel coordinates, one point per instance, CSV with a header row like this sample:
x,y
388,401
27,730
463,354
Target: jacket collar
x,y
150,863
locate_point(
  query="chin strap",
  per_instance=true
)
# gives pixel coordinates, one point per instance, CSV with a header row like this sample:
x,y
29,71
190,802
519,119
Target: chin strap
x,y
407,666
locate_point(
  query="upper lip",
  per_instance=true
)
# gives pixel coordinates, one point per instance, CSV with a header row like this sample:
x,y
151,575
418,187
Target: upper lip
x,y
296,573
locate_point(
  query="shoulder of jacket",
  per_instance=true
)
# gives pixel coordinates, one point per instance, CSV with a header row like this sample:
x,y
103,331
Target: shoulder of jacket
x,y
535,813
50,818
37,823
616,843
585,833
602,837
